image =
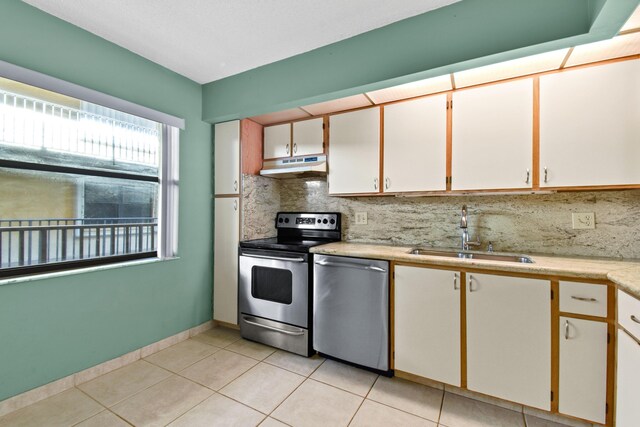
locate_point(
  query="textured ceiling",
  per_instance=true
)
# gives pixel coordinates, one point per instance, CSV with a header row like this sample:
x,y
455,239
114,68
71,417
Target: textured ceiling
x,y
207,40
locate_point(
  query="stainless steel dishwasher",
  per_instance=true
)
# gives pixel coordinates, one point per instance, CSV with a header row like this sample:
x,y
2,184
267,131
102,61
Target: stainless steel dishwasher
x,y
351,310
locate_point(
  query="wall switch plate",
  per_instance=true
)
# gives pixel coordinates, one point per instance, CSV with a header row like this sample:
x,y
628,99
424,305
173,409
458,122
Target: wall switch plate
x,y
361,218
583,220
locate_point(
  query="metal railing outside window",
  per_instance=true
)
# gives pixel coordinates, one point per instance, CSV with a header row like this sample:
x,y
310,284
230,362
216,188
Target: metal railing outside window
x,y
55,152
31,242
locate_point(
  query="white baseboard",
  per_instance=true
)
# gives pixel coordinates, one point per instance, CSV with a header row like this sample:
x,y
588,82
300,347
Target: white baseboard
x,y
27,398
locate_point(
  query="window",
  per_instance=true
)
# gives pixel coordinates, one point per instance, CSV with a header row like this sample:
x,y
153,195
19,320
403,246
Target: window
x,y
82,184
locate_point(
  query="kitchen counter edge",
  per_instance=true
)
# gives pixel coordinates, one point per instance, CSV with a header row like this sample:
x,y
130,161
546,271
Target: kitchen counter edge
x,y
625,274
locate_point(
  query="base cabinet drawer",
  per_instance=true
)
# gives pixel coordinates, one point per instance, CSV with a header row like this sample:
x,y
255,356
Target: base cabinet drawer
x,y
583,298
583,369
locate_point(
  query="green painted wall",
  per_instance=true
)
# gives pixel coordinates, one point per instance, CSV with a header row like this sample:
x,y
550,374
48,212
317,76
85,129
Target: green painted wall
x,y
52,328
464,35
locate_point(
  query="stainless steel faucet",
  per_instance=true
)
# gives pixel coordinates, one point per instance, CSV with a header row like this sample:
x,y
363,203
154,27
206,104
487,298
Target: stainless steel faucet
x,y
465,231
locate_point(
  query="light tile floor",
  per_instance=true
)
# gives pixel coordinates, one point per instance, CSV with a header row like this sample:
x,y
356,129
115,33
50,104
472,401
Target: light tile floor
x,y
218,379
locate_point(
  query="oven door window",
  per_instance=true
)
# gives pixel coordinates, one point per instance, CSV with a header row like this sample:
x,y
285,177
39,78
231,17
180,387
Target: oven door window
x,y
272,284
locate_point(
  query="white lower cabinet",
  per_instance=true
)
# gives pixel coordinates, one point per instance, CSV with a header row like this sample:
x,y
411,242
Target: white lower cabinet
x,y
628,382
509,338
225,259
583,369
427,323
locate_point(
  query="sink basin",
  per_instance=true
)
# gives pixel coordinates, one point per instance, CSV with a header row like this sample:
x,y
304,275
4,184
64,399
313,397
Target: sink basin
x,y
473,255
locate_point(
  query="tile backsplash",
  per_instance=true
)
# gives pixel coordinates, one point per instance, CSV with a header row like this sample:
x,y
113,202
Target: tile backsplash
x,y
538,223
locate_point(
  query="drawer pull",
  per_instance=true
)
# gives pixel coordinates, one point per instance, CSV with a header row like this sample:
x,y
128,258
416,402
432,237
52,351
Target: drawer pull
x,y
584,299
635,319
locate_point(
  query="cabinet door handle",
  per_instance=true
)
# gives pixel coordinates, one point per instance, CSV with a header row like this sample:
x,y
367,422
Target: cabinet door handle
x,y
470,283
566,329
375,183
546,174
455,281
527,180
387,183
635,319
295,148
235,205
584,299
235,185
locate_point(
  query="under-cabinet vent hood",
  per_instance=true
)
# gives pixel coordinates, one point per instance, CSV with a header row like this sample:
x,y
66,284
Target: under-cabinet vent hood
x,y
295,167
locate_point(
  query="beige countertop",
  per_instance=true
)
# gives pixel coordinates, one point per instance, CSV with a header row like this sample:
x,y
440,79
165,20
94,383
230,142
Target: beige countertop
x,y
628,280
626,274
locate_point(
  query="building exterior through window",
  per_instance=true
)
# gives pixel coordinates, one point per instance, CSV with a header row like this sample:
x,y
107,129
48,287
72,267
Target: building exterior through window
x,y
80,184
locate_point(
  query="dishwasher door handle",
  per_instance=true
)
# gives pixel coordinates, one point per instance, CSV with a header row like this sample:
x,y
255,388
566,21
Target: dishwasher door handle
x,y
350,265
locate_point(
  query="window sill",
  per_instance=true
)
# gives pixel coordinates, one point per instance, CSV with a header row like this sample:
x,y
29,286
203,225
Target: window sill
x,y
43,276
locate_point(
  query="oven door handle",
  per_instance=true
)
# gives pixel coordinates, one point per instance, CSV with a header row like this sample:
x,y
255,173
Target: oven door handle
x,y
350,265
271,328
275,258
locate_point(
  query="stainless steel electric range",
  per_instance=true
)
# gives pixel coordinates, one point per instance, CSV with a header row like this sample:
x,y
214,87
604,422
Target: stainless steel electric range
x,y
276,278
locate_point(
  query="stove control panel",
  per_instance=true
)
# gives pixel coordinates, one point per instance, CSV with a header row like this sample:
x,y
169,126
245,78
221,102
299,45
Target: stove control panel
x,y
308,221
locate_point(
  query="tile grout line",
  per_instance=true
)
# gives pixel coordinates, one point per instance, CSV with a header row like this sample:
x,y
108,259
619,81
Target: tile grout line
x,y
188,410
246,355
402,410
337,388
441,406
137,392
106,408
288,395
287,369
363,400
119,417
226,384
308,377
188,366
242,403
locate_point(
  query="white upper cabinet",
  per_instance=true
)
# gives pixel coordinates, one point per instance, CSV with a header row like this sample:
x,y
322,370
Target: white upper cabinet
x,y
415,142
492,137
509,338
277,141
590,126
427,323
308,137
354,152
227,157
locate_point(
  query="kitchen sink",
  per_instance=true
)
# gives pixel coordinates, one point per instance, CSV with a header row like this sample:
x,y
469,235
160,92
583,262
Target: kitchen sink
x,y
473,255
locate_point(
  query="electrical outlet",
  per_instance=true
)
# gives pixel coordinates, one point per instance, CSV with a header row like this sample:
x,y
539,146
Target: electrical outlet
x,y
583,220
361,218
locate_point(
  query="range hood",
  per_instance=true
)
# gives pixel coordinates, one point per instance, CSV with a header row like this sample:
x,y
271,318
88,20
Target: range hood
x,y
295,167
